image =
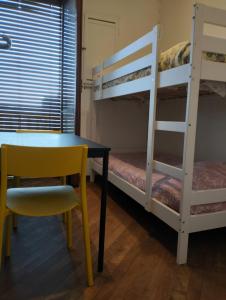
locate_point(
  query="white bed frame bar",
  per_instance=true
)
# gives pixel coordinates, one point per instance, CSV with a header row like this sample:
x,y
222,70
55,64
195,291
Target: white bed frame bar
x,y
190,74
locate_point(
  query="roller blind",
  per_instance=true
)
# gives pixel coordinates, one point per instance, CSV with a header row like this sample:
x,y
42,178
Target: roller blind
x,y
31,65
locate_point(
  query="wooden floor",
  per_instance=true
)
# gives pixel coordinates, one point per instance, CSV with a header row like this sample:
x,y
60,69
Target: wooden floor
x,y
139,258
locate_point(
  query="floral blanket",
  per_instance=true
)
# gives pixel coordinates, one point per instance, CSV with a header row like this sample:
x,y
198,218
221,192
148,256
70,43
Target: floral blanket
x,y
180,54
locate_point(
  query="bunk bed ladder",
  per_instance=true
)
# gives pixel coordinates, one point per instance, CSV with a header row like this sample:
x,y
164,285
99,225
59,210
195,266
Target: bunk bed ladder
x,y
154,125
188,128
190,134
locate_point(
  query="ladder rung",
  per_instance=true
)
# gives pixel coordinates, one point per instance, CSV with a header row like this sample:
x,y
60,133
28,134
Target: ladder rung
x,y
170,126
168,169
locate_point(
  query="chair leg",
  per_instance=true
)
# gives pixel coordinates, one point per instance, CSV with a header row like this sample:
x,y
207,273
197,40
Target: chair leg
x,y
2,220
8,235
86,236
69,229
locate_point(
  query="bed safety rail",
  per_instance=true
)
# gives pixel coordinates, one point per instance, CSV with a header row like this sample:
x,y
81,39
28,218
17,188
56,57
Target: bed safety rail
x,y
208,196
137,85
207,17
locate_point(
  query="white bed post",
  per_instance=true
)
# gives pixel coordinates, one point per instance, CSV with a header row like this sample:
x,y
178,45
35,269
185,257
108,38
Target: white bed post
x,y
190,133
152,115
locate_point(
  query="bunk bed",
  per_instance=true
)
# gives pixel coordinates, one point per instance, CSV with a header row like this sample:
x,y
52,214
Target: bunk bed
x,y
188,196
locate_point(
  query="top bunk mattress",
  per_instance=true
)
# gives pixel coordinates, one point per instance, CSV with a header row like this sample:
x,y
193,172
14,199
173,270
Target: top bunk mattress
x,y
176,56
166,189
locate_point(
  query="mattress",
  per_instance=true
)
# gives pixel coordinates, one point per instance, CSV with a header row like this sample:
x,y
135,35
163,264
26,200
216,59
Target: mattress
x,y
176,56
166,189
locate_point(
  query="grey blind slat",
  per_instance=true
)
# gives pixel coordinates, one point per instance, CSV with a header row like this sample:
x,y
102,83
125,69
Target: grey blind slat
x,y
31,70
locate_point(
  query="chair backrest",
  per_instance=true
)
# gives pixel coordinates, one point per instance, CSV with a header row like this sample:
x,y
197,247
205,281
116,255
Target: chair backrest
x,y
37,131
40,162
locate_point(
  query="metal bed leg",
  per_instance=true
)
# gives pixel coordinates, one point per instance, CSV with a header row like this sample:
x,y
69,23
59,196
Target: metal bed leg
x,y
103,212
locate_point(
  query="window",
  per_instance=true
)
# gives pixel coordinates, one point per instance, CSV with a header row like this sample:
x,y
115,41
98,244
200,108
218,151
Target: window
x,y
37,66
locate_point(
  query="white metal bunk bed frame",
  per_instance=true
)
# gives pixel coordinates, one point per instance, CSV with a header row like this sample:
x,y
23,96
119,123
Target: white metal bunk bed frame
x,y
191,74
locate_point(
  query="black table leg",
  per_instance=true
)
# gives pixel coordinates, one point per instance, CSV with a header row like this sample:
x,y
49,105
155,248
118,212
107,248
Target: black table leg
x,y
103,212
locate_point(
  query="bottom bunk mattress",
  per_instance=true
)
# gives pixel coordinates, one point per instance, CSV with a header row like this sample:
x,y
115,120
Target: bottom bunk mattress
x,y
166,189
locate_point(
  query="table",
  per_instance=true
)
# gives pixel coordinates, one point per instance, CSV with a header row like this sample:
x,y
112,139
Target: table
x,y
63,140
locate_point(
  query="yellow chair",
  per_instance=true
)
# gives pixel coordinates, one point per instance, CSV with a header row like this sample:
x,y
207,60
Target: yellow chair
x,y
17,179
42,162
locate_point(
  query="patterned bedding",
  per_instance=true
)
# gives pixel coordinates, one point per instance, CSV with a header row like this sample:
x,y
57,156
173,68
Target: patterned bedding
x,y
176,56
207,175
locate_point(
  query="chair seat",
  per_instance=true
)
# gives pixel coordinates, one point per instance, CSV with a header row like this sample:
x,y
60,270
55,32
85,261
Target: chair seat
x,y
42,201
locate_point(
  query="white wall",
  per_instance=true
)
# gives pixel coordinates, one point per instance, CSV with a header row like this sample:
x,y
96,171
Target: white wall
x,y
211,129
122,124
175,22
